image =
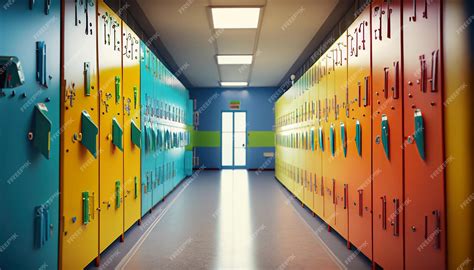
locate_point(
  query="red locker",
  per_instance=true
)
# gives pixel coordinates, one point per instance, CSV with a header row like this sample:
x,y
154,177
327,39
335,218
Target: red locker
x,y
425,238
387,134
359,129
341,96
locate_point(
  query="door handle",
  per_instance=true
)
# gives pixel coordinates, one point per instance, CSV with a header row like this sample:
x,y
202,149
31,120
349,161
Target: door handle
x,y
423,73
358,137
434,70
333,191
384,212
396,205
396,87
366,91
385,136
413,17
345,195
385,82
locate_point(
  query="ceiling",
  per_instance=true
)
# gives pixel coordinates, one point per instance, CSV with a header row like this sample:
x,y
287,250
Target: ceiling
x,y
286,27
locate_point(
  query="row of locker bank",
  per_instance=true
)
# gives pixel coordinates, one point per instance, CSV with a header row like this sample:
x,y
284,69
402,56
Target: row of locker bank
x,y
359,137
99,132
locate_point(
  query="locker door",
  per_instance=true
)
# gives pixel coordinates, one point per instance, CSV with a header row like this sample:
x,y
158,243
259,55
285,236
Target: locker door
x,y
328,164
80,173
425,245
320,133
30,135
317,164
387,168
132,128
359,132
111,125
146,91
340,122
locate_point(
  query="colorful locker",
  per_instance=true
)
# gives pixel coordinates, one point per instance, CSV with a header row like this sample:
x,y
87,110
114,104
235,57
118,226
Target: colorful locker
x,y
326,90
317,155
341,114
132,129
387,171
158,170
30,102
147,158
425,238
79,146
359,129
111,125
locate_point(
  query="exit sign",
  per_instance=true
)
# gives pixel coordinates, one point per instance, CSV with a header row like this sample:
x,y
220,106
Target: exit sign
x,y
234,105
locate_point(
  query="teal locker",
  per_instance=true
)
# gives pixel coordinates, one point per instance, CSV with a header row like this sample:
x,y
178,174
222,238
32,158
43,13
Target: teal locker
x,y
30,134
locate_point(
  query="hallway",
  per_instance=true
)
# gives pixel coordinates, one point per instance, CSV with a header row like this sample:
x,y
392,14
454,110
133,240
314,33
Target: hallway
x,y
221,220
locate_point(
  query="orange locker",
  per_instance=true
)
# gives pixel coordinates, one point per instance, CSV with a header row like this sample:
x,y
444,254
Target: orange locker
x,y
359,129
387,161
425,238
109,32
340,138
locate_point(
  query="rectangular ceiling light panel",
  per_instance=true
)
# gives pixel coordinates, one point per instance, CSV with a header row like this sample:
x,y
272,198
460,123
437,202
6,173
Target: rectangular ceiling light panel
x,y
234,59
234,84
235,17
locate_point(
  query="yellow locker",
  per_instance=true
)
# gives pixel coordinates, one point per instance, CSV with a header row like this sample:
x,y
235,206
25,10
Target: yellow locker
x,y
317,155
111,125
131,123
79,151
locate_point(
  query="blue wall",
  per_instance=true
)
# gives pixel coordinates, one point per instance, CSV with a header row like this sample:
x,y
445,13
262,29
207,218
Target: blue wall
x,y
260,117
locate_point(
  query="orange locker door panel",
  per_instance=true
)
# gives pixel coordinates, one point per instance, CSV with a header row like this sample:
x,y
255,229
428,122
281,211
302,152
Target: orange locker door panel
x,y
111,125
424,183
387,134
340,137
359,129
131,122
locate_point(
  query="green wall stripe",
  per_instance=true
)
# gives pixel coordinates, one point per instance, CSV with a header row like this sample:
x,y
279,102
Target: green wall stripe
x,y
213,139
261,139
207,138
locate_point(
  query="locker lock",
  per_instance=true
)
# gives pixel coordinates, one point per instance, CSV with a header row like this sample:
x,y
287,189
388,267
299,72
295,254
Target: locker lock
x,y
410,139
413,228
377,139
77,137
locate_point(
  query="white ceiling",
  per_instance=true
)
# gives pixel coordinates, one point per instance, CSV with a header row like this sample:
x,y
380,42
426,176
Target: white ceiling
x,y
286,27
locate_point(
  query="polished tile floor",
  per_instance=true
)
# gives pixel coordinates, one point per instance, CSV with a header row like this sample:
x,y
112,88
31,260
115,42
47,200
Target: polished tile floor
x,y
231,219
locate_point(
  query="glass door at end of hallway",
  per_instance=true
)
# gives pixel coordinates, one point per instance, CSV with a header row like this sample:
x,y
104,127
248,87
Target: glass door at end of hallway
x,y
233,139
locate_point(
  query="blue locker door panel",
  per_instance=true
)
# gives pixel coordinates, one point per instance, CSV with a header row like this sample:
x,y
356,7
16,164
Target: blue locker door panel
x,y
29,178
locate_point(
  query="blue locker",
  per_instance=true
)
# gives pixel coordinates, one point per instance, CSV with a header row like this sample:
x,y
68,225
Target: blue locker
x,y
30,134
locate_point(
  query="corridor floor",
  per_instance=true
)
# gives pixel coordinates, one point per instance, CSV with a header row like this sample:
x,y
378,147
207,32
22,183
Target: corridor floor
x,y
231,219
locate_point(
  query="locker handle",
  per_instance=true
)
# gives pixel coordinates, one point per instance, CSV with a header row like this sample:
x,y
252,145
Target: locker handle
x,y
396,205
47,6
413,17
117,89
136,187
343,139
41,63
396,88
331,140
345,195
366,91
386,136
87,79
333,191
425,11
419,133
389,20
361,201
322,187
422,73
358,137
385,82
359,93
135,97
85,207
437,231
117,194
384,212
434,70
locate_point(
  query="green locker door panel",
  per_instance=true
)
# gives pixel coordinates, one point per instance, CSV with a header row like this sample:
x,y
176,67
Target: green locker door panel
x,y
136,134
42,130
89,132
117,134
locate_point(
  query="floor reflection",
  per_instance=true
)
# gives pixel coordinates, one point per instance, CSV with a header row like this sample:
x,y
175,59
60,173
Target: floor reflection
x,y
235,249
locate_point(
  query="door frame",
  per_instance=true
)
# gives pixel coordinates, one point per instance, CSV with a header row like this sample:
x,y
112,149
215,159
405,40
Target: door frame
x,y
233,140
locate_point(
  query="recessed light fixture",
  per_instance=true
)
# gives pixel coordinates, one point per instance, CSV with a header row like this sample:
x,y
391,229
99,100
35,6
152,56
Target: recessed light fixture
x,y
235,17
234,59
234,84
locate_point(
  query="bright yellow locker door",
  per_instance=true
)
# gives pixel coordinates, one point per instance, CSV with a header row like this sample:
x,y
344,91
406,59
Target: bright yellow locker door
x,y
111,125
131,122
80,117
